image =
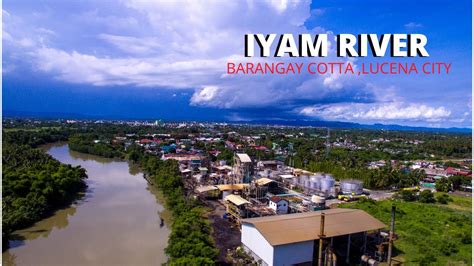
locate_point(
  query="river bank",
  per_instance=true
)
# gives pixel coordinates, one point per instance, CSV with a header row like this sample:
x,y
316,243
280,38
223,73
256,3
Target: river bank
x,y
190,240
116,222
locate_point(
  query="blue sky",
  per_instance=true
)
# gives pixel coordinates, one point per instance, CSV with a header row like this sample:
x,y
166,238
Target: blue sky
x,y
138,59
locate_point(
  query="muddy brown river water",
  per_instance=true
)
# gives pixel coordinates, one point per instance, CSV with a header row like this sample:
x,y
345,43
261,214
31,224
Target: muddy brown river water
x,y
116,221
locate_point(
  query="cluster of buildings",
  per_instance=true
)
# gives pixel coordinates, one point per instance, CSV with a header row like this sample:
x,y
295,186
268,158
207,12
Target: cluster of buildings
x,y
282,212
433,170
278,210
436,172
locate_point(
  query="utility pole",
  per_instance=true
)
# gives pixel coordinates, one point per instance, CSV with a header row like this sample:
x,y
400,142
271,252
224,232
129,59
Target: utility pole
x,y
390,237
321,241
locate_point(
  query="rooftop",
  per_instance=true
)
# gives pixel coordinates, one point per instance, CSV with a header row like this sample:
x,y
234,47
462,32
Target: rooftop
x,y
263,181
243,157
276,199
203,189
237,200
299,227
287,176
232,187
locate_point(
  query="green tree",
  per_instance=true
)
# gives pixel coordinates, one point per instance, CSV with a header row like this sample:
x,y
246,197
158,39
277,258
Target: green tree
x,y
426,197
443,198
407,195
443,185
460,180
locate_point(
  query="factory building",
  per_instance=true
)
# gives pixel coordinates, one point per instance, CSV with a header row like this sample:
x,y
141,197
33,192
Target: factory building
x,y
243,168
294,238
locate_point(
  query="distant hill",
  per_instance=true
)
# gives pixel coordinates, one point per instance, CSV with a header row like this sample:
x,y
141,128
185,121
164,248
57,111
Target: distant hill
x,y
337,124
313,123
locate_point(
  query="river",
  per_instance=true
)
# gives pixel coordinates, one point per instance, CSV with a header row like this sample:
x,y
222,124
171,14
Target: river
x,y
115,222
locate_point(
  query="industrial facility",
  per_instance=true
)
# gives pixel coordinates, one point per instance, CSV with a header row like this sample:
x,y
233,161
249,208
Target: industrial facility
x,y
331,237
284,217
265,188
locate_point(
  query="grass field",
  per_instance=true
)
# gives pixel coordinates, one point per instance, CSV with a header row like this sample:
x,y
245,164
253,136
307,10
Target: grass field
x,y
429,234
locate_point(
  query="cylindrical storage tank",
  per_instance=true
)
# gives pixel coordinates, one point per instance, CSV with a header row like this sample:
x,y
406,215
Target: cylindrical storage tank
x,y
313,182
351,186
303,180
318,187
327,183
295,180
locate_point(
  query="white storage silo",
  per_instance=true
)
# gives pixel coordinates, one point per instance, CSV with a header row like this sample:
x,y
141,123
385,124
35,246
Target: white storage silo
x,y
327,183
305,181
351,186
315,182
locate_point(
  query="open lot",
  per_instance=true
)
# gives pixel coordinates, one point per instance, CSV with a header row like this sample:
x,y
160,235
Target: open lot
x,y
428,233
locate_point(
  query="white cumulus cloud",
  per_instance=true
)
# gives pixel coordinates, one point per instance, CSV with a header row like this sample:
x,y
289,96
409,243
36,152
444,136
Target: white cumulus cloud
x,y
377,112
186,45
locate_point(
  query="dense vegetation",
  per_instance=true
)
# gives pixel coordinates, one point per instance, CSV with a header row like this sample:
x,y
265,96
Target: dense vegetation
x,y
190,241
90,143
34,184
429,234
33,138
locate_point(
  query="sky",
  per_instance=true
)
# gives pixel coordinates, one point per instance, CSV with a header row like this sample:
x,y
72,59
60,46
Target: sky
x,y
167,60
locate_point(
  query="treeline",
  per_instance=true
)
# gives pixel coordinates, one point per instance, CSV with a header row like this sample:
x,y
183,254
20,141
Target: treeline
x,y
399,145
91,144
190,242
34,138
34,183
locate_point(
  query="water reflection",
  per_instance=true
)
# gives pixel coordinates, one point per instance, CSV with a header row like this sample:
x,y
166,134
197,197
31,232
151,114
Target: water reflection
x,y
133,169
116,222
44,228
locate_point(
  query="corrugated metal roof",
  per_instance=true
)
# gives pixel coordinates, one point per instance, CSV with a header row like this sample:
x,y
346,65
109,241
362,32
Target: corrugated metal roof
x,y
202,189
277,199
263,181
287,176
243,157
232,186
237,200
292,228
224,167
